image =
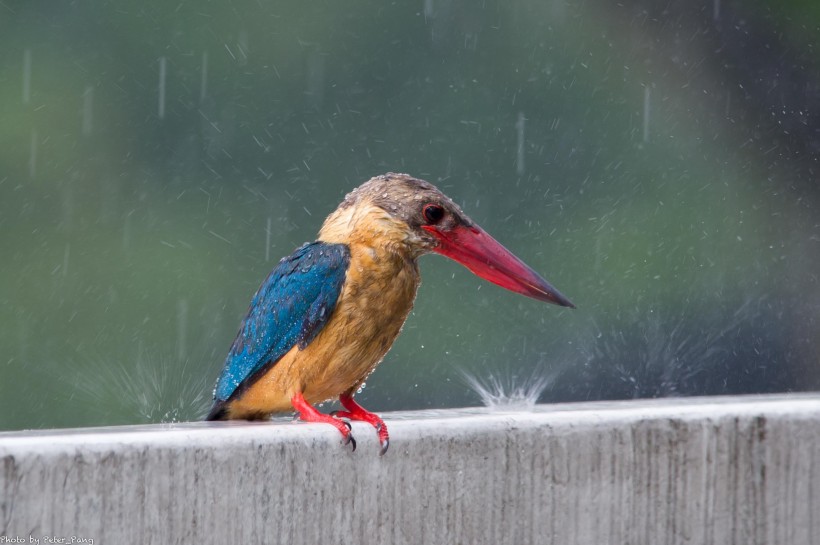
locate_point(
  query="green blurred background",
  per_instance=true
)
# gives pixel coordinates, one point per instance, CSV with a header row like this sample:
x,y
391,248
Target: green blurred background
x,y
657,162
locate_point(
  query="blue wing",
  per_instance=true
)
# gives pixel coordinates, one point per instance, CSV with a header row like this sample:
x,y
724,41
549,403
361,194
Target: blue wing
x,y
290,308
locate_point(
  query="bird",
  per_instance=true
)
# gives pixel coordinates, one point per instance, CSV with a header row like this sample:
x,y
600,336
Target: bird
x,y
327,314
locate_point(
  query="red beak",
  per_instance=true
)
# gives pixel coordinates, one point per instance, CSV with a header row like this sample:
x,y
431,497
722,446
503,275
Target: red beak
x,y
487,258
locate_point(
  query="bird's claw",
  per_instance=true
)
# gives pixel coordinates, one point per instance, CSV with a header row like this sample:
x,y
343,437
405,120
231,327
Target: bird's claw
x,y
384,442
356,412
349,439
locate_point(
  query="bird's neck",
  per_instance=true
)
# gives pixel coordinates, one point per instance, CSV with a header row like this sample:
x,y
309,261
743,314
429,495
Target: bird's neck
x,y
368,226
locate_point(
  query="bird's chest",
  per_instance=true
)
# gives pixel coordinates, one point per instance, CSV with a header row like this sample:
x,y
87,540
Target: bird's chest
x,y
378,294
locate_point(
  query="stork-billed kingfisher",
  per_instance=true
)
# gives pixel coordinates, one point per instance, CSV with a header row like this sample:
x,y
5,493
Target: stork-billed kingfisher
x,y
328,313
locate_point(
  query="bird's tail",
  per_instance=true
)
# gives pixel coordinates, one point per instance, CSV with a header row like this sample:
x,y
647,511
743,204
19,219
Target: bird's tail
x,y
218,412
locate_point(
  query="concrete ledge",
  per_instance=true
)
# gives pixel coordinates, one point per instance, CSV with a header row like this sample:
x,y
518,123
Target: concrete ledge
x,y
742,470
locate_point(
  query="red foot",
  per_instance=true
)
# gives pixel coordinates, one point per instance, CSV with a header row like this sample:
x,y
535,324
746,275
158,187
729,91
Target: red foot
x,y
308,413
356,412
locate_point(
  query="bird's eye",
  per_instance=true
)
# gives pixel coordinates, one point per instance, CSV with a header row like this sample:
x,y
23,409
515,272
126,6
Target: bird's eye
x,y
433,213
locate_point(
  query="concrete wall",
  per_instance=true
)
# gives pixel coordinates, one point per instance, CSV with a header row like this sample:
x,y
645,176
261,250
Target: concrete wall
x,y
697,471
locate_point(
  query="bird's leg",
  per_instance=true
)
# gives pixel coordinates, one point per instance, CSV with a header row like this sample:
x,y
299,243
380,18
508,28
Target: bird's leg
x,y
357,412
308,413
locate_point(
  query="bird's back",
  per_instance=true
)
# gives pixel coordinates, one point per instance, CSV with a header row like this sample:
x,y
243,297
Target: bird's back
x,y
290,308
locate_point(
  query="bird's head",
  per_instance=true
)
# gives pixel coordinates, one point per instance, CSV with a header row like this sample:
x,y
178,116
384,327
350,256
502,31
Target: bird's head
x,y
415,218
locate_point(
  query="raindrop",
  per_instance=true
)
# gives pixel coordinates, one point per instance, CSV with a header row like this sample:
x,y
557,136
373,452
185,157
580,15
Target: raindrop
x,y
182,328
315,80
716,10
26,76
32,158
161,101
267,240
559,11
67,202
22,339
519,125
646,114
242,43
428,9
88,102
203,82
66,255
126,234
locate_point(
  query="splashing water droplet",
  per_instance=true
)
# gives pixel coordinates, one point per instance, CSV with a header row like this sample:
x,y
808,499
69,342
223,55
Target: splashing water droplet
x,y
511,391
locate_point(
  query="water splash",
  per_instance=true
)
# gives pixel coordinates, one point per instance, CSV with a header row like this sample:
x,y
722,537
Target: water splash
x,y
657,365
661,355
510,390
152,389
